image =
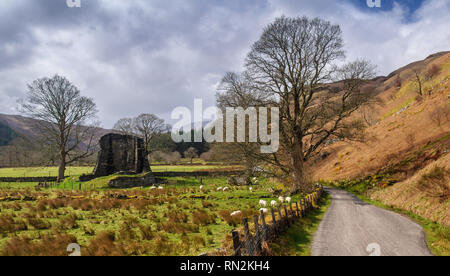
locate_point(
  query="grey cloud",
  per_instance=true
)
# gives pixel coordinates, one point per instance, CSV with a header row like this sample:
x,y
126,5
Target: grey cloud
x,y
151,56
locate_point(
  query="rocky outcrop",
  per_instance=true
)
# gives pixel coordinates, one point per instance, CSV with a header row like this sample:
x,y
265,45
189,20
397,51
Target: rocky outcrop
x,y
121,153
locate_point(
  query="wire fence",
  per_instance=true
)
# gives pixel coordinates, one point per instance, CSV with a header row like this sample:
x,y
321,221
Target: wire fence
x,y
250,241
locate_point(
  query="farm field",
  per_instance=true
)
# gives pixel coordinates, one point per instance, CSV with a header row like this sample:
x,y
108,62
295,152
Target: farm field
x,y
179,219
76,171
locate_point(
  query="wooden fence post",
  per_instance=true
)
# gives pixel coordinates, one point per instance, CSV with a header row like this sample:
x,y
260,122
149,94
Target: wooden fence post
x,y
264,226
236,243
298,211
258,236
287,215
292,211
248,238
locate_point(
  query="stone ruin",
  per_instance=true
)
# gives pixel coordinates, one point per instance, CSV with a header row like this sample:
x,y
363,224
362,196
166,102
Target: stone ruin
x,y
121,153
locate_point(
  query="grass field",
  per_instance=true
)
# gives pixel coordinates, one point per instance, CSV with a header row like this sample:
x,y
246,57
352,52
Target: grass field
x,y
179,219
76,171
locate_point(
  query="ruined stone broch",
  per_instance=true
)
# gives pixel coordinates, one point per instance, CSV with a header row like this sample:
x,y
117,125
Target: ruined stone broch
x,y
121,153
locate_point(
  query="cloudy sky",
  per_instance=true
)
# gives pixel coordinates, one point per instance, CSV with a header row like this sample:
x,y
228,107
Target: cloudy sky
x,y
151,56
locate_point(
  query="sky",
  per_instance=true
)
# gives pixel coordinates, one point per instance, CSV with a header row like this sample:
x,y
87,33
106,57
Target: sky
x,y
150,56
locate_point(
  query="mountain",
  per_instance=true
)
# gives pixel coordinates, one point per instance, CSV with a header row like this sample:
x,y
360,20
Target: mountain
x,y
14,126
407,138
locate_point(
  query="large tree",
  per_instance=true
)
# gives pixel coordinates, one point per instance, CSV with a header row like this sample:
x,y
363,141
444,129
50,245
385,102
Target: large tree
x,y
292,64
66,119
148,126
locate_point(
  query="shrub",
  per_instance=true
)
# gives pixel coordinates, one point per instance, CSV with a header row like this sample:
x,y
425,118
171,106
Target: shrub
x,y
436,183
440,114
202,218
432,71
49,245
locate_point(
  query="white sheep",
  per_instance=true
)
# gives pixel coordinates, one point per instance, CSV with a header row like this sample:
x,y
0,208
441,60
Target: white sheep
x,y
281,199
152,187
288,199
160,187
219,189
251,189
225,189
201,187
263,203
265,210
236,213
273,203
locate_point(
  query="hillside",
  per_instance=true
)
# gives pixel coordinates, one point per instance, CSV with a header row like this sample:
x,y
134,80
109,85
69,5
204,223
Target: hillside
x,y
408,135
19,146
13,126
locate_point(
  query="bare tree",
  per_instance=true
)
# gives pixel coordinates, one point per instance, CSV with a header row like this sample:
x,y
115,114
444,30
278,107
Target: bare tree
x,y
124,126
191,153
149,126
418,80
291,62
66,119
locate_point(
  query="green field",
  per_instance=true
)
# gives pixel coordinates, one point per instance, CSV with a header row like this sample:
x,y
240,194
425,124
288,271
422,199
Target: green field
x,y
180,219
76,171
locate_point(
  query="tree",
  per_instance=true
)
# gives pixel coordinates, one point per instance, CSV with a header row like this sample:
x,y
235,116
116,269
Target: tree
x,y
191,153
291,64
147,126
66,119
125,126
418,80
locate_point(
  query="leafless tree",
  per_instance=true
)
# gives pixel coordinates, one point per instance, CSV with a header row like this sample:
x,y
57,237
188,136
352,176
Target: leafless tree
x,y
418,81
146,126
191,153
66,119
149,126
124,126
290,64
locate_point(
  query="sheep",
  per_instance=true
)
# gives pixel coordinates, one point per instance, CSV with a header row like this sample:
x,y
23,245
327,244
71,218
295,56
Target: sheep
x,y
219,189
265,210
225,189
263,203
288,199
160,187
251,189
273,203
281,199
236,213
152,187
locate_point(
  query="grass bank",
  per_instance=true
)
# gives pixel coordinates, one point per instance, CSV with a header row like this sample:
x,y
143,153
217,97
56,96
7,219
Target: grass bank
x,y
298,239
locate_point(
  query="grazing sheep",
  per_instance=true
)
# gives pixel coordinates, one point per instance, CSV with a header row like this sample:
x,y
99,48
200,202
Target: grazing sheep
x,y
152,187
161,187
265,210
201,187
226,189
288,199
273,203
236,213
263,203
251,189
219,189
281,199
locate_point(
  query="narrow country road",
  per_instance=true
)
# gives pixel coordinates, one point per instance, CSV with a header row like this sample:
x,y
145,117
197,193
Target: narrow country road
x,y
354,228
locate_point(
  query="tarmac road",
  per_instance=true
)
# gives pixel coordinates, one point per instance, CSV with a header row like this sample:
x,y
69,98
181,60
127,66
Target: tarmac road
x,y
354,228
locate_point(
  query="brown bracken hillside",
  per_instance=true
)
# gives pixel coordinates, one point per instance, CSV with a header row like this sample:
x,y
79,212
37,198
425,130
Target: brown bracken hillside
x,y
407,138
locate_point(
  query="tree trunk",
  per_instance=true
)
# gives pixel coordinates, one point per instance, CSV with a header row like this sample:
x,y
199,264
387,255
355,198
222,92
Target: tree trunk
x,y
298,173
62,167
